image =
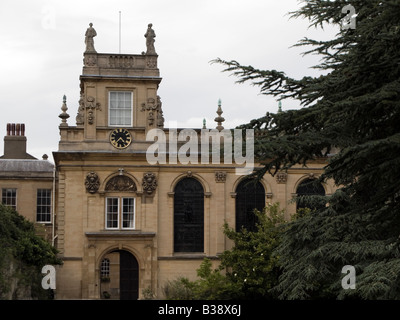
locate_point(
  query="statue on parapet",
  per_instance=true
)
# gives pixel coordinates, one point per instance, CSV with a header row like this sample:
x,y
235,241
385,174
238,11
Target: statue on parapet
x,y
150,35
89,35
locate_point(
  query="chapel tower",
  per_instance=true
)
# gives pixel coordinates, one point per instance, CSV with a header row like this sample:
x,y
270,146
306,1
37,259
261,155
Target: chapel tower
x,y
106,216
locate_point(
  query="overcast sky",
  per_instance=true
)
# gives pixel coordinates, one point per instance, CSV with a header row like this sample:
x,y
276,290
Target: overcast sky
x,y
42,45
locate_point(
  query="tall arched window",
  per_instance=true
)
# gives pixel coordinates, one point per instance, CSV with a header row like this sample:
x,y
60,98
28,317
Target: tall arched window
x,y
250,195
309,187
189,216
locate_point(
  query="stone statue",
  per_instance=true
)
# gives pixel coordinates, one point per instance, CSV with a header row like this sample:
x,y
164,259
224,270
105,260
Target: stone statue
x,y
150,35
89,35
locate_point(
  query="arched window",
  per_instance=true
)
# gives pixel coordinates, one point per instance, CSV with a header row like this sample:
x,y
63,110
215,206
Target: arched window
x,y
120,203
250,195
309,187
189,216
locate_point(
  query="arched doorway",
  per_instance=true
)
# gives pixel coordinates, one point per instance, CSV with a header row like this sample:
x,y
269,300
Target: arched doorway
x,y
119,276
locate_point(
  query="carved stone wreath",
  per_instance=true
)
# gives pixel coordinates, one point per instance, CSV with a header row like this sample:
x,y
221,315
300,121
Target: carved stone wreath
x,y
149,182
220,176
92,182
281,177
120,183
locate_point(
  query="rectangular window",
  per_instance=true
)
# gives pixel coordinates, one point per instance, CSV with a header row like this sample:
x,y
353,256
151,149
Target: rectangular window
x,y
120,108
9,198
112,213
43,205
120,209
128,213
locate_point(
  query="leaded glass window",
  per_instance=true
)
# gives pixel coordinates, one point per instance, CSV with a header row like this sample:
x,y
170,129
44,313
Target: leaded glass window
x,y
250,195
305,190
189,216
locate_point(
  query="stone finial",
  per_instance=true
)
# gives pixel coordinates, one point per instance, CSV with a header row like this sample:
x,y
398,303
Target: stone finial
x,y
204,123
280,107
89,35
64,115
150,35
219,119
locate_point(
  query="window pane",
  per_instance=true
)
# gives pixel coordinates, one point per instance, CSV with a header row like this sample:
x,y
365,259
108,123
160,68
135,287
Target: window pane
x,y
120,108
105,268
112,213
43,205
128,213
9,198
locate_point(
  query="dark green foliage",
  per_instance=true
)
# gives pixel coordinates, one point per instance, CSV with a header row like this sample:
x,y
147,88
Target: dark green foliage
x,y
350,116
22,255
248,271
252,264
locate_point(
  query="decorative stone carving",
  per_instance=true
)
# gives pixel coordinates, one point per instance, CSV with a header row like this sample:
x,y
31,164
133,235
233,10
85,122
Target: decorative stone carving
x,y
220,176
121,61
121,183
90,61
151,63
281,177
150,35
89,35
150,118
149,182
64,115
92,182
90,105
219,119
160,119
150,105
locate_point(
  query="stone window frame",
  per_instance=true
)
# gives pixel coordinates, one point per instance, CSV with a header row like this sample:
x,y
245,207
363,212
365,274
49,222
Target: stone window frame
x,y
110,110
120,212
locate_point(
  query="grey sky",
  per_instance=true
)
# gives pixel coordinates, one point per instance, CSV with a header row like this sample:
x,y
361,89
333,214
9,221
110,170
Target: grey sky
x,y
42,44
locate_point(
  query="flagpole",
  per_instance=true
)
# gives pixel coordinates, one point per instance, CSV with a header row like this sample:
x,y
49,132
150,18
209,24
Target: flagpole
x,y
120,32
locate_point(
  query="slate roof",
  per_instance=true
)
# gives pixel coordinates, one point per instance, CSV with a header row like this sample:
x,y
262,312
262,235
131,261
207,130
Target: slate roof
x,y
25,168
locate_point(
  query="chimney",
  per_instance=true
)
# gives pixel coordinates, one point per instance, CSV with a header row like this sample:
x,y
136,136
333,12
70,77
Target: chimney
x,y
15,142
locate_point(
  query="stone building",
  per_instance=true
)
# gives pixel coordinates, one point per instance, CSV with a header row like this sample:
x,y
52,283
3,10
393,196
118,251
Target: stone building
x,y
27,183
125,224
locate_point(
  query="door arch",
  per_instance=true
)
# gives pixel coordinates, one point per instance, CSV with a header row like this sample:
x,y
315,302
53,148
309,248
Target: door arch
x,y
119,276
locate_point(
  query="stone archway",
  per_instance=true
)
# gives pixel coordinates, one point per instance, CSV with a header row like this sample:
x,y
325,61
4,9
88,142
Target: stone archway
x,y
119,276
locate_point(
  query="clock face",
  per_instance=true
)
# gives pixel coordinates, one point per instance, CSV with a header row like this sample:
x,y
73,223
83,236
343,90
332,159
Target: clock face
x,y
120,138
